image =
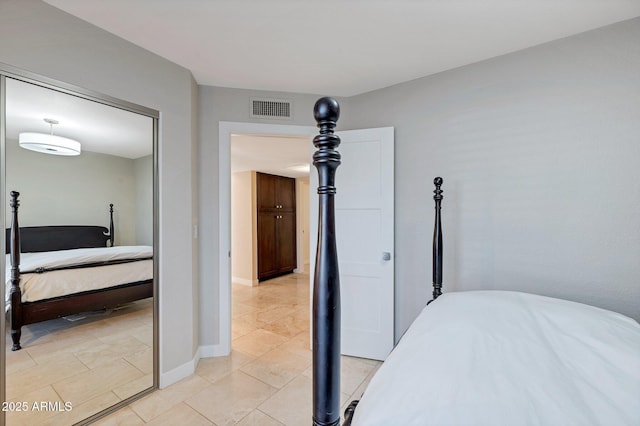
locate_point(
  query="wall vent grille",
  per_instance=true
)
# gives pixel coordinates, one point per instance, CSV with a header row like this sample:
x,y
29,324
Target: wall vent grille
x,y
270,108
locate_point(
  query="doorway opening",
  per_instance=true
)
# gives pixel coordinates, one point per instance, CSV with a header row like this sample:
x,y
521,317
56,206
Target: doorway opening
x,y
286,135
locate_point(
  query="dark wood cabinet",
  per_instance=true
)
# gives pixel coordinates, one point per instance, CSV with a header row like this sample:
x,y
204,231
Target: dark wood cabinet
x,y
276,204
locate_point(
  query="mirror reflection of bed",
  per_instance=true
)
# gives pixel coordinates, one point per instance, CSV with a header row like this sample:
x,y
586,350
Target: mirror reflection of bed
x,y
97,352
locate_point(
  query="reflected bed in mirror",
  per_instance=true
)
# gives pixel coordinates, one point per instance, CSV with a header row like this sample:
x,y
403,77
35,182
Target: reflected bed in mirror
x,y
57,271
88,345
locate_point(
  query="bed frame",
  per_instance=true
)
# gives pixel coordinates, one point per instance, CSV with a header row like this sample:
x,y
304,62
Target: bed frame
x,y
52,238
326,282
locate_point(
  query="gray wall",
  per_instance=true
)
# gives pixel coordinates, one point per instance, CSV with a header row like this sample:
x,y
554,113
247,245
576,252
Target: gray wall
x,y
195,202
57,190
540,155
143,172
40,38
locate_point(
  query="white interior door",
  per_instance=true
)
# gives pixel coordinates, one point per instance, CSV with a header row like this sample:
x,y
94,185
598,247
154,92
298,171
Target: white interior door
x,y
365,237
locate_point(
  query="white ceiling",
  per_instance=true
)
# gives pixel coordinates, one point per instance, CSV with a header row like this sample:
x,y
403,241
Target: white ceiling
x,y
99,128
333,47
338,47
281,155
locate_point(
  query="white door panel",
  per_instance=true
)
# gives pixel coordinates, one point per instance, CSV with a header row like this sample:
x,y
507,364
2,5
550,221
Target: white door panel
x,y
364,231
360,183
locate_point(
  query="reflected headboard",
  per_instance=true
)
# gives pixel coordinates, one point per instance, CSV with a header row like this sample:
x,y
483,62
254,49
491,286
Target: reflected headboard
x,y
51,238
33,239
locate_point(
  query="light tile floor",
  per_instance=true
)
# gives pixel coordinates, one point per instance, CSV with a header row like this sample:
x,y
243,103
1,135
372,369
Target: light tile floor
x,y
92,362
267,378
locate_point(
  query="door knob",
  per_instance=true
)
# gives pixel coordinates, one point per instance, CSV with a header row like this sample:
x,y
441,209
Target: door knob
x,y
386,256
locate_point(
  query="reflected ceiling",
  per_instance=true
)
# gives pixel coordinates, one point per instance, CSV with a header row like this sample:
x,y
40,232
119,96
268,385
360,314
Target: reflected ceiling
x,y
99,128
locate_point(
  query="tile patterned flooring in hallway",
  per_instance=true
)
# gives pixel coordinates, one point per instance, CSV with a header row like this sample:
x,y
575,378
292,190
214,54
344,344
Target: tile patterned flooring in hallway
x,y
267,378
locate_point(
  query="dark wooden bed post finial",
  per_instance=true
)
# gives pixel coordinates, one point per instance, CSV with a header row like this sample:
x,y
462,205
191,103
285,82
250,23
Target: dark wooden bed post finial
x,y
15,293
437,240
326,282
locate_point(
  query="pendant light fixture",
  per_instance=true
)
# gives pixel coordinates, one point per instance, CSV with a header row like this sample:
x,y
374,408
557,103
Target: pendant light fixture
x,y
48,143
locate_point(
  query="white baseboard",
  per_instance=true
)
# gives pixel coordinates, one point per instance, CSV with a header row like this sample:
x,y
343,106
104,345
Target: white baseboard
x,y
211,351
303,269
244,281
179,373
188,368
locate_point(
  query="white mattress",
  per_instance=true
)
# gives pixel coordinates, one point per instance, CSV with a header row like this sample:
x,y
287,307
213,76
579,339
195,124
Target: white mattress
x,y
40,286
507,358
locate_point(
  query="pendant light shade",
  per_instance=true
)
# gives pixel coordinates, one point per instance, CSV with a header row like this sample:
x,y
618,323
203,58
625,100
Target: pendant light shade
x,y
49,143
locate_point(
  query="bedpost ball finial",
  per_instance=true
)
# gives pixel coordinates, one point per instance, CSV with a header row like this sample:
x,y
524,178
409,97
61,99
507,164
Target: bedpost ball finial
x,y
438,191
14,199
325,110
326,159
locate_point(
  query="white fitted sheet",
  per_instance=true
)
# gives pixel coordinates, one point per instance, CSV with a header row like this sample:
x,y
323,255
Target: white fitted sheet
x,y
51,259
508,358
40,286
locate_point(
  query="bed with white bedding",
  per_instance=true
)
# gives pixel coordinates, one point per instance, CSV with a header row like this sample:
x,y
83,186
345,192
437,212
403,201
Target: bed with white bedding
x,y
508,358
55,271
51,274
472,358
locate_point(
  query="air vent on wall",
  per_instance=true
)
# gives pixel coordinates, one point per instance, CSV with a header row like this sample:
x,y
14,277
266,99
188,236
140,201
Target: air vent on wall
x,y
270,108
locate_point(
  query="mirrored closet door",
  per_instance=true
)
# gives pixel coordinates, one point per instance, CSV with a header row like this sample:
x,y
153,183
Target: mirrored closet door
x,y
79,191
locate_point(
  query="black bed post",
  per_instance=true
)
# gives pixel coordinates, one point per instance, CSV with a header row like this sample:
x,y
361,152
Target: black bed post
x,y
15,292
437,241
326,281
112,236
